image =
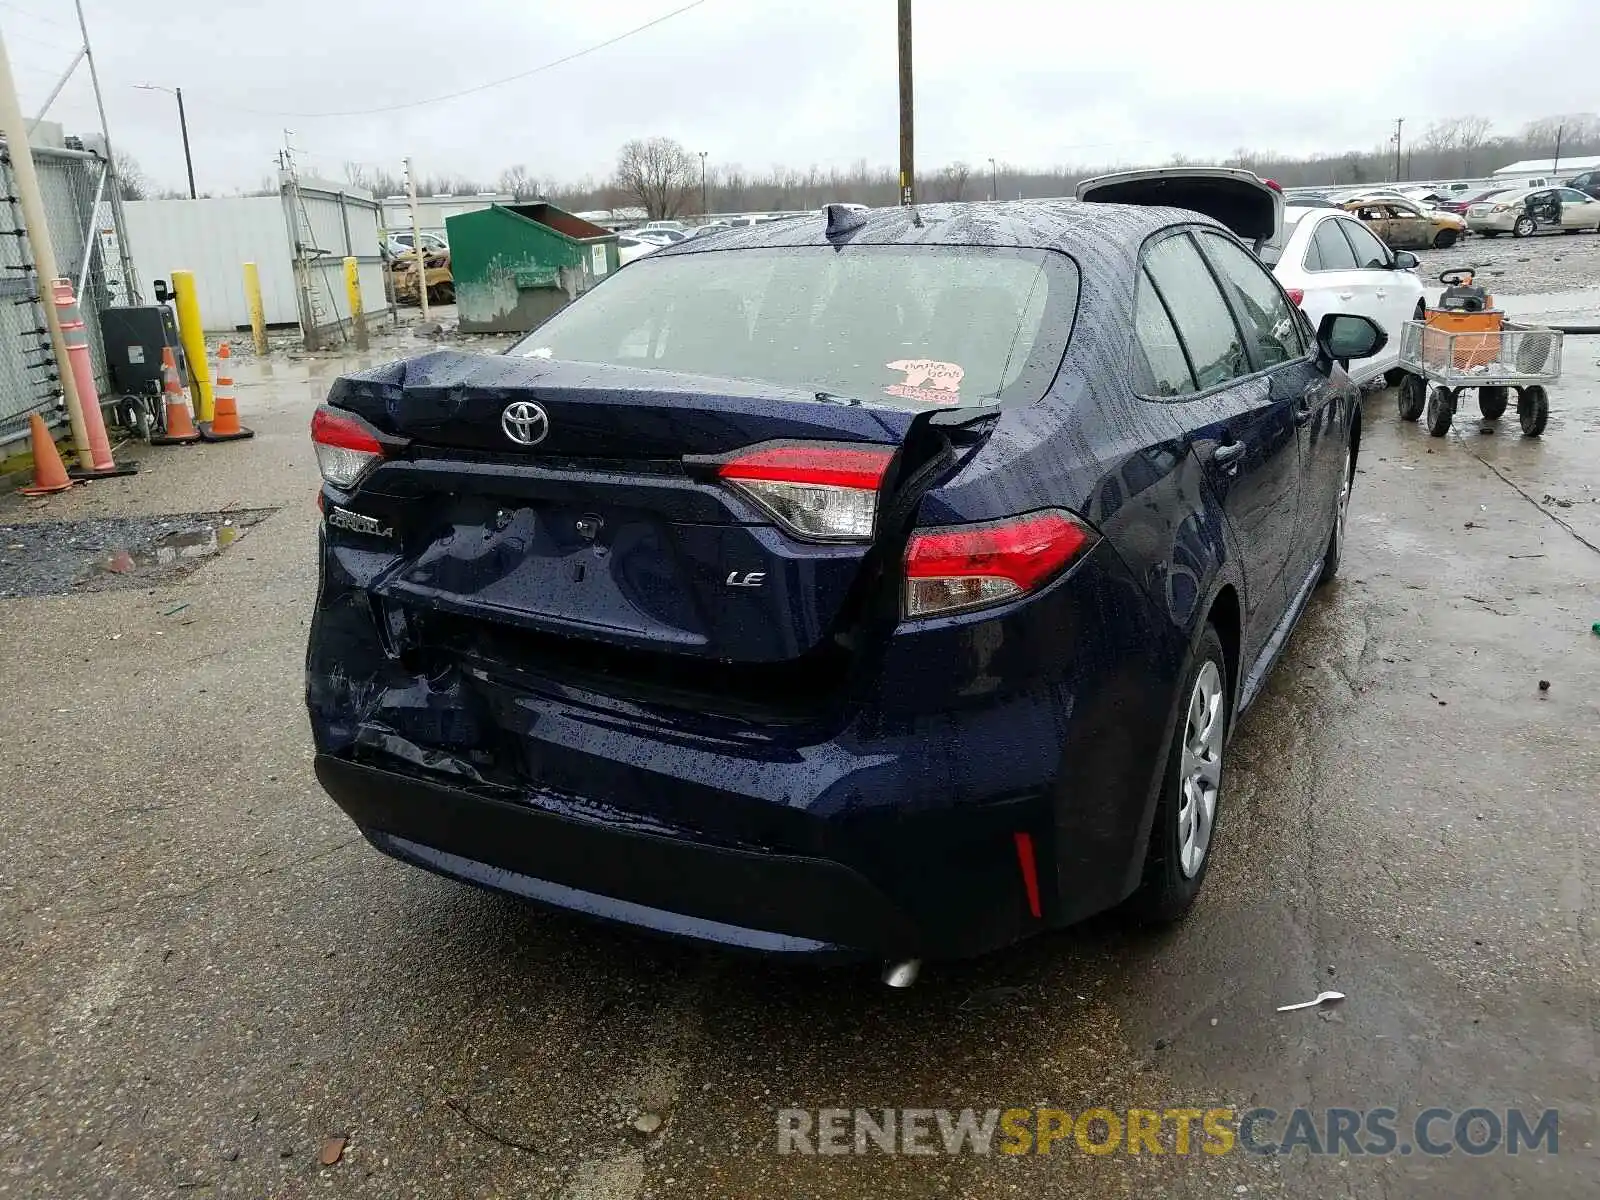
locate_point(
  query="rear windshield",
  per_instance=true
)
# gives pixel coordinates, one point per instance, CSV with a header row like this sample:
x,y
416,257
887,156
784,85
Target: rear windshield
x,y
909,326
1272,249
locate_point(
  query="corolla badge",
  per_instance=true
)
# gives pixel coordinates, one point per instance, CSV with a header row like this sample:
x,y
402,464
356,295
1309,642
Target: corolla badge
x,y
525,423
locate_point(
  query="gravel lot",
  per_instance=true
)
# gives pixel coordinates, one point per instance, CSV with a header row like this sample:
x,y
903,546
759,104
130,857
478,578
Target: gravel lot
x,y
1513,267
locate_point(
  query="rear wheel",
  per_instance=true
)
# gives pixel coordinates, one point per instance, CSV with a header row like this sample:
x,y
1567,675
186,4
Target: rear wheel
x,y
1413,397
1186,813
1523,226
1444,239
1492,402
1440,412
1334,554
1533,410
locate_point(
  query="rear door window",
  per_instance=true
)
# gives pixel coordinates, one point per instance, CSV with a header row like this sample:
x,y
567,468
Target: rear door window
x,y
1160,366
1369,251
1332,250
1269,319
900,325
1194,299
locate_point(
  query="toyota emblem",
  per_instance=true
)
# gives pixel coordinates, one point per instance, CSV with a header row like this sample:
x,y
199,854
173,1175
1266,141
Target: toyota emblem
x,y
525,423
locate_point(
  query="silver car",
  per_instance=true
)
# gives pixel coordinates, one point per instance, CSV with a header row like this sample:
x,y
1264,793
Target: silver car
x,y
1534,210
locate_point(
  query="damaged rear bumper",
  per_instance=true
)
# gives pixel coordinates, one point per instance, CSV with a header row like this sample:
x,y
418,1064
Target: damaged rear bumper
x,y
776,903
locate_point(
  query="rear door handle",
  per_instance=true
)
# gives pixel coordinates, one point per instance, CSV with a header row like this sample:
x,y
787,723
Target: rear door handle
x,y
1227,456
1346,295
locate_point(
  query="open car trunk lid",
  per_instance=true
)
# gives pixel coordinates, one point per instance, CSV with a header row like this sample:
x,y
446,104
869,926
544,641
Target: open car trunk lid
x,y
1240,199
610,555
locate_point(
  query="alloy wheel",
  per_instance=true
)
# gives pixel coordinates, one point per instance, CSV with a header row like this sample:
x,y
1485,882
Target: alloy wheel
x,y
1344,504
1200,769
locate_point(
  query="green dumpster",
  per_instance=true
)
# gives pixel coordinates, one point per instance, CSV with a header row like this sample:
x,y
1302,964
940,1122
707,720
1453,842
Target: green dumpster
x,y
515,264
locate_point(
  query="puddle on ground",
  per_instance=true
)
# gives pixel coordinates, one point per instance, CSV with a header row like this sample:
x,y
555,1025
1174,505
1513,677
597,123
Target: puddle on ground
x,y
49,558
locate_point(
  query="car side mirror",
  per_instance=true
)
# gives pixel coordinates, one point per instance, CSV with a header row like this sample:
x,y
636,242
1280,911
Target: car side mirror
x,y
1404,260
1345,336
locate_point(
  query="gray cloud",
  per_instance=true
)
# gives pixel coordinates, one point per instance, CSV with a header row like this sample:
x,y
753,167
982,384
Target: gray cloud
x,y
1029,82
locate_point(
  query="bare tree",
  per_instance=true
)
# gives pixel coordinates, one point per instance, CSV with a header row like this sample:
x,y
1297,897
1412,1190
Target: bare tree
x,y
953,180
519,182
657,173
131,179
376,180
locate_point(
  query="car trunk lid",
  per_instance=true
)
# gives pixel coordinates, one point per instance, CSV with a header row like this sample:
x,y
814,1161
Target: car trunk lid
x,y
615,553
1239,199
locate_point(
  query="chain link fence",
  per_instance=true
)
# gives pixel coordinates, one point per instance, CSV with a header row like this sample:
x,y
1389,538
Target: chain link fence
x,y
73,184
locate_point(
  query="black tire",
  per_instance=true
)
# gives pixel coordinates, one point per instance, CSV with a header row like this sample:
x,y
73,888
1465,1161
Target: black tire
x,y
1440,411
1334,554
1523,226
1167,891
1533,410
1413,397
1492,402
1489,233
1444,239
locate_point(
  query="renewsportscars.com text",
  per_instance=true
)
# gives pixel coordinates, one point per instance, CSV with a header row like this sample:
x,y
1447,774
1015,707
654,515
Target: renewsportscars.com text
x,y
1383,1131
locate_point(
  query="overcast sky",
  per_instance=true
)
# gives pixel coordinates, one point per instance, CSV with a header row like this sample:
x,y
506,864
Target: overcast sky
x,y
763,82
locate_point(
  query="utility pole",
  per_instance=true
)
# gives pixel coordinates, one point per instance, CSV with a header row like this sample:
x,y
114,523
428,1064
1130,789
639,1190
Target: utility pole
x,y
908,166
183,127
416,240
26,181
1399,124
703,208
994,180
1556,166
188,159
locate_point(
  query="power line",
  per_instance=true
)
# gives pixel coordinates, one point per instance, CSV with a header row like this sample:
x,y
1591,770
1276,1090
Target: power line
x,y
482,87
28,12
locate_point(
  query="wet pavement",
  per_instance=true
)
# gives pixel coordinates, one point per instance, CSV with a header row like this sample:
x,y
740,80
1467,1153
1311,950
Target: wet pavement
x,y
206,975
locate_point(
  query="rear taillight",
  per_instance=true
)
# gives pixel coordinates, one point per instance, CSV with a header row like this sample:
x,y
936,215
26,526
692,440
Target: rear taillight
x,y
971,566
1296,295
346,446
821,491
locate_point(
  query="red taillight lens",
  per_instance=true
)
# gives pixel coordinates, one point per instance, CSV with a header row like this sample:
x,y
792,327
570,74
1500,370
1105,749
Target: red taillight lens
x,y
971,566
1273,184
819,491
1296,295
345,445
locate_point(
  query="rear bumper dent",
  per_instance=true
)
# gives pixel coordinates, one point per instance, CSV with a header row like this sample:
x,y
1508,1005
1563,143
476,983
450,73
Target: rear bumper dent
x,y
772,903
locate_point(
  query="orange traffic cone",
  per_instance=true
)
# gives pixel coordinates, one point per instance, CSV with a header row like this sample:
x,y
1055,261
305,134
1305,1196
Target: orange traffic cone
x,y
224,425
49,475
180,426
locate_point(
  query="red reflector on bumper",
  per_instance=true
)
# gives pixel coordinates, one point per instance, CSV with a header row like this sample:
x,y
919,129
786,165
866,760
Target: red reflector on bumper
x,y
1030,872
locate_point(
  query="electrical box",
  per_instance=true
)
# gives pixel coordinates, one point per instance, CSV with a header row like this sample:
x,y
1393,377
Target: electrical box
x,y
134,338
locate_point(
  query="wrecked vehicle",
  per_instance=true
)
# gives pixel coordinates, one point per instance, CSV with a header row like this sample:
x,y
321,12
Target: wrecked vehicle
x,y
873,585
440,281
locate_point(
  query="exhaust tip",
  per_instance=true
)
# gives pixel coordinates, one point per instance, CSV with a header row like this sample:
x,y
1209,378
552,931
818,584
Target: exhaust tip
x,y
902,974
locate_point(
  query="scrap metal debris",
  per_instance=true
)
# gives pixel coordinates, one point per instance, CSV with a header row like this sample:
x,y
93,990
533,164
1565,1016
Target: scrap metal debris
x,y
1322,998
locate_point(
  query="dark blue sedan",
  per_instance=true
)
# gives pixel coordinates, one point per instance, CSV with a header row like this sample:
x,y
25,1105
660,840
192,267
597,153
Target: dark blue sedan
x,y
873,585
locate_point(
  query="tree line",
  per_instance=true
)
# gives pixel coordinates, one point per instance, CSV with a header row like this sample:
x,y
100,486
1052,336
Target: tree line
x,y
666,179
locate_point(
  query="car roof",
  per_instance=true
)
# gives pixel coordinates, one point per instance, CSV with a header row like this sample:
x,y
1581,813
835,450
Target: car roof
x,y
1067,225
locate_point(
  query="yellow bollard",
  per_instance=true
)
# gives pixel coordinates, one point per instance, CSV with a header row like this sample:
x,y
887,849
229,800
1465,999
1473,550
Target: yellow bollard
x,y
358,316
193,337
258,314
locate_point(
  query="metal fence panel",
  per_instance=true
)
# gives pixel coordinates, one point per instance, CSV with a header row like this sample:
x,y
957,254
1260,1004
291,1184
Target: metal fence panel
x,y
68,181
331,222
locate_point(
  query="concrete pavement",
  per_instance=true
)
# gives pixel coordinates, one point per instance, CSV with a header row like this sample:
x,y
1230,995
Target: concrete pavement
x,y
205,974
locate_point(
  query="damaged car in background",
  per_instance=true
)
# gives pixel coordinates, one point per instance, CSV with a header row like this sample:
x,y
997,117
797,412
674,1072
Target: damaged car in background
x,y
872,585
